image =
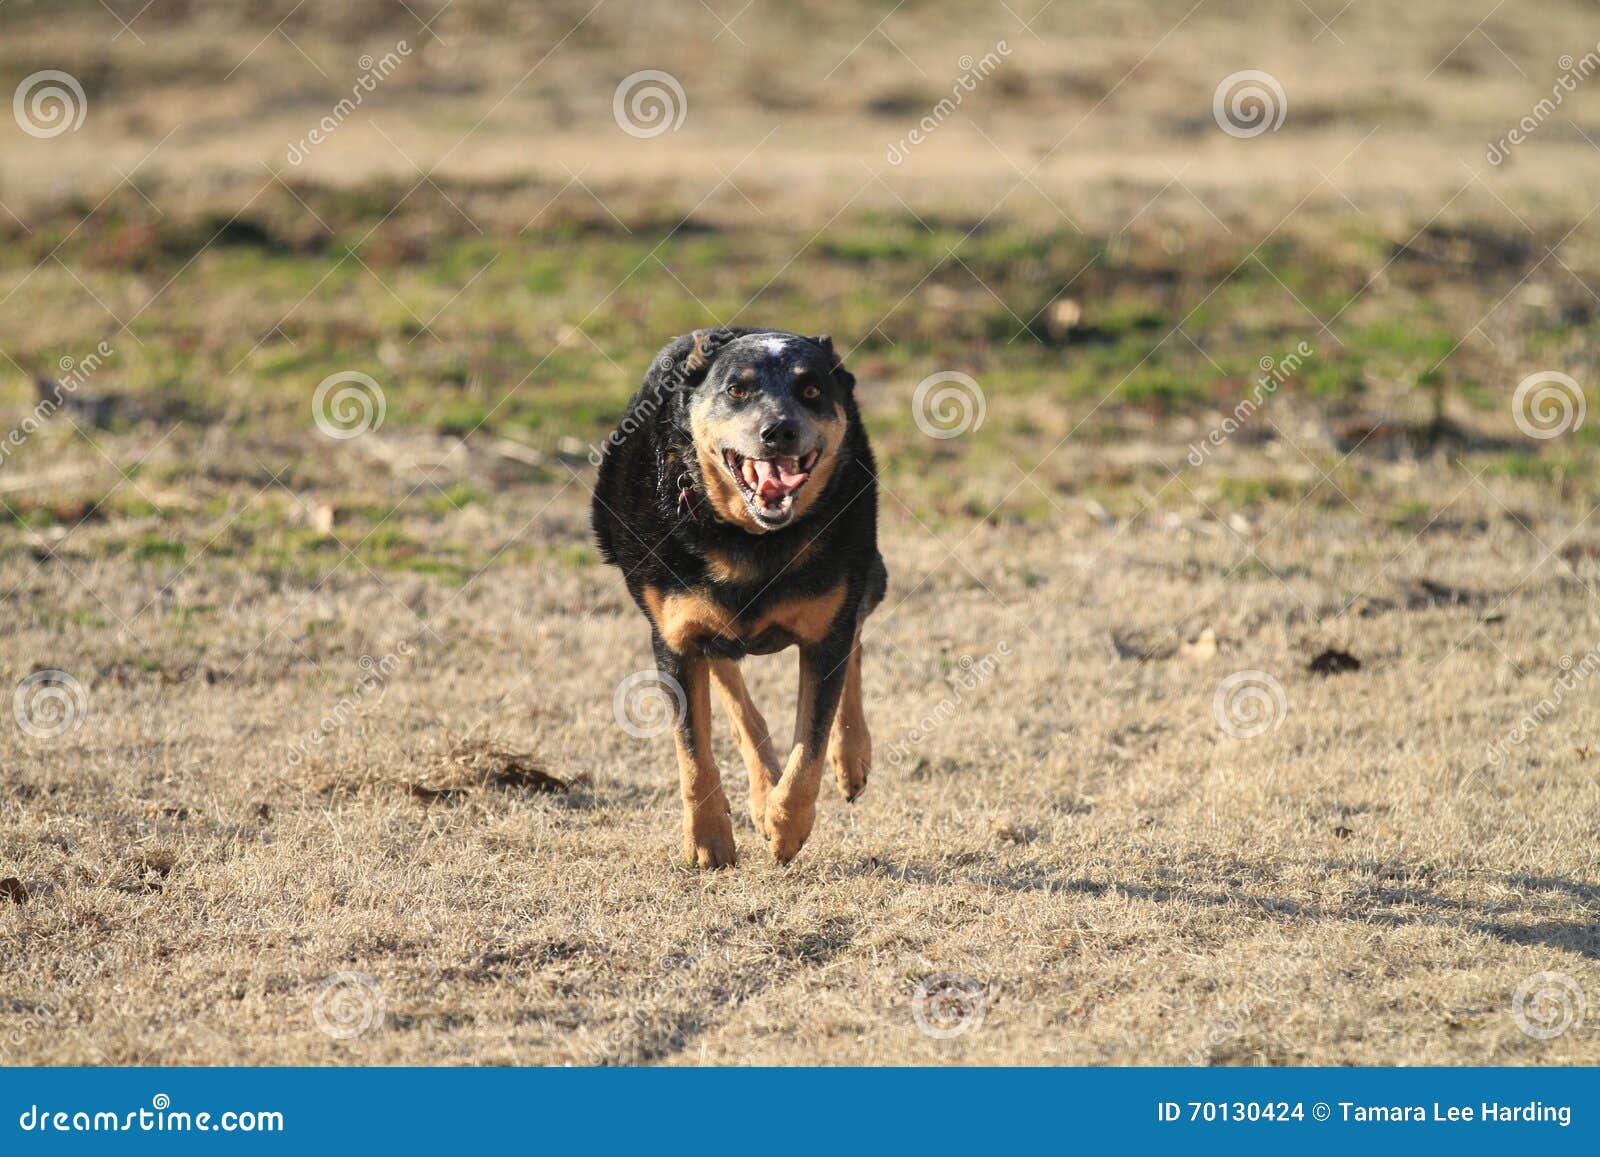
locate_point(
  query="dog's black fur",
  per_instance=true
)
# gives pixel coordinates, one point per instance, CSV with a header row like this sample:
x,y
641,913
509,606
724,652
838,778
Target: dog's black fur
x,y
717,572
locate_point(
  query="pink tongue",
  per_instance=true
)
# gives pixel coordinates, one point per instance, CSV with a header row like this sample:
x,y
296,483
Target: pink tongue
x,y
772,479
768,479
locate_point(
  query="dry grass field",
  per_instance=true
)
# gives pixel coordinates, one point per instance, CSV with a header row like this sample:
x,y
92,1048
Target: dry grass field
x,y
314,752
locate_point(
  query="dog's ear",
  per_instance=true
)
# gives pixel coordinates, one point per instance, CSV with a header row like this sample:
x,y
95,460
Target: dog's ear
x,y
841,375
706,344
684,361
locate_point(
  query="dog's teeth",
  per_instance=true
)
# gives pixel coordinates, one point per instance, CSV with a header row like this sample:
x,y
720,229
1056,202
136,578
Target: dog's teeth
x,y
750,477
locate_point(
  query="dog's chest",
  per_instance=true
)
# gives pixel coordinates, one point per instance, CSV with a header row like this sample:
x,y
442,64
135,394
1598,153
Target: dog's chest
x,y
695,621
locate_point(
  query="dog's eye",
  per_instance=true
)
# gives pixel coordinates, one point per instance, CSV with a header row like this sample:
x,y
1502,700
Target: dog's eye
x,y
811,391
738,392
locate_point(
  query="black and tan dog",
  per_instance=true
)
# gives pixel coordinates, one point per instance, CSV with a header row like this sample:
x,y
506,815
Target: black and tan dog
x,y
739,498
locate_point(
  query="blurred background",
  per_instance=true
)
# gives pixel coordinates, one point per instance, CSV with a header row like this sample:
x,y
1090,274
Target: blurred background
x,y
476,224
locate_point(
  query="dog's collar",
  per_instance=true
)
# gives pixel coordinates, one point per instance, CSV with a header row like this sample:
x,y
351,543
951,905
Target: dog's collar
x,y
688,497
676,479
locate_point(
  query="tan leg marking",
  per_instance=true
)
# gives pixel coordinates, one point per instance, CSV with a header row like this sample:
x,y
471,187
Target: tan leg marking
x,y
707,826
750,733
850,744
792,803
684,617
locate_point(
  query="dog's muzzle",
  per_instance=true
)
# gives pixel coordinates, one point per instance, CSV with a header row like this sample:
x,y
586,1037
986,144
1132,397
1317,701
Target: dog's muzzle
x,y
769,485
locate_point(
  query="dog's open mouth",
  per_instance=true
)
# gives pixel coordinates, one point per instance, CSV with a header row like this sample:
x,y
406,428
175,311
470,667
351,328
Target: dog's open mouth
x,y
769,485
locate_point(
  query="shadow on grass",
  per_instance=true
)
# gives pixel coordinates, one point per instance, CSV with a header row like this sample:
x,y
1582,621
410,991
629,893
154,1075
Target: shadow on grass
x,y
1370,905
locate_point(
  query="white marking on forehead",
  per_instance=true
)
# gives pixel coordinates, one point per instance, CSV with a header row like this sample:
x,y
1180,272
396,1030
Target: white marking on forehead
x,y
775,346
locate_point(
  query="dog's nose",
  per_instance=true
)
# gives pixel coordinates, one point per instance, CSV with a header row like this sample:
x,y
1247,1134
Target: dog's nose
x,y
780,436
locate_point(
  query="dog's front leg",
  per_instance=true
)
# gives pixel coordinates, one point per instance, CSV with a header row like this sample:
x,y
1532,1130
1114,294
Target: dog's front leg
x,y
707,821
751,734
792,806
850,745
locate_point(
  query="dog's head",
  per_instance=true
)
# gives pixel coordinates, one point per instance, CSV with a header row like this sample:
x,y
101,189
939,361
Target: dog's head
x,y
767,415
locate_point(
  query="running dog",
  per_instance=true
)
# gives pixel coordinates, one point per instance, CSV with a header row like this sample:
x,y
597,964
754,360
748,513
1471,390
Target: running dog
x,y
739,498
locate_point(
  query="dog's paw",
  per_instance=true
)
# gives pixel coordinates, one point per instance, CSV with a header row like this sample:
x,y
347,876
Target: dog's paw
x,y
787,831
708,839
758,815
850,770
710,850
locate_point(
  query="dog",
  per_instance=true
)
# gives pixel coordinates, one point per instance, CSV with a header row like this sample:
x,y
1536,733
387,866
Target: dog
x,y
738,496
